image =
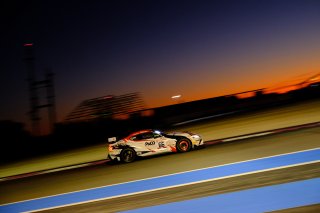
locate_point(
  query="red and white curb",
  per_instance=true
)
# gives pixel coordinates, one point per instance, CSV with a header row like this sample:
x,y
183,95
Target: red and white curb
x,y
207,143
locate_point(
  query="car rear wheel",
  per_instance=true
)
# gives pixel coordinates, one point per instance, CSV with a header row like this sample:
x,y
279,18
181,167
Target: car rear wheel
x,y
128,155
183,145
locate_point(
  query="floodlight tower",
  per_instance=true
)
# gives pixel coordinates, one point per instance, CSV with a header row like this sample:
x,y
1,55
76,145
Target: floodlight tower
x,y
33,94
34,86
51,105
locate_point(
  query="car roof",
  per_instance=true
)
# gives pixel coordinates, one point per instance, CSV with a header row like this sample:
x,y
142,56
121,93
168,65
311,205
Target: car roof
x,y
138,132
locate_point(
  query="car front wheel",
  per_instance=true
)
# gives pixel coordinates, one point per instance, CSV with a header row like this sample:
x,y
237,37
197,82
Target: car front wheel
x,y
183,145
128,155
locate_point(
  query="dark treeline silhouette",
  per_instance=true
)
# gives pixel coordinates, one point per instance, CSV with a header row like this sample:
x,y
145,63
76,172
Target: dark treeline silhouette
x,y
16,143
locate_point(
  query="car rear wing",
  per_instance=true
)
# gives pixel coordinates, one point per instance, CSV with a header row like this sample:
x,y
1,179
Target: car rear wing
x,y
113,139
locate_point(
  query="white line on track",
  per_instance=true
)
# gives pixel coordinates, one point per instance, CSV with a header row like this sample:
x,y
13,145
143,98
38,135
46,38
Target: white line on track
x,y
176,186
246,136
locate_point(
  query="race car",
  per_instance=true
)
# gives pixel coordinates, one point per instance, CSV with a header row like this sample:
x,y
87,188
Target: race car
x,y
151,142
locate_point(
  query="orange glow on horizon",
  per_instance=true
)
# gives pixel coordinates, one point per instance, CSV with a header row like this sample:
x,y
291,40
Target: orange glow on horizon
x,y
293,85
245,95
282,90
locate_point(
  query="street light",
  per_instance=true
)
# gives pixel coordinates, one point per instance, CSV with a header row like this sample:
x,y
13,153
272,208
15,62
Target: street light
x,y
176,97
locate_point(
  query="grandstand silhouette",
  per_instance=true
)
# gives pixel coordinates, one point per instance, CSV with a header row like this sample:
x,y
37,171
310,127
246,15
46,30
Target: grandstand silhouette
x,y
106,107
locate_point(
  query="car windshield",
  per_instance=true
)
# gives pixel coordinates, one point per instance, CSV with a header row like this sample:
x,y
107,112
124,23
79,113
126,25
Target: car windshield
x,y
158,132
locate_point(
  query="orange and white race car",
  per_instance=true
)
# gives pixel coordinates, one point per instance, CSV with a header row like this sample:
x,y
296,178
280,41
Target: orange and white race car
x,y
151,142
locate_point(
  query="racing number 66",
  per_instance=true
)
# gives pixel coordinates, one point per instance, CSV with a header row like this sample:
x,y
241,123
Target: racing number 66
x,y
161,145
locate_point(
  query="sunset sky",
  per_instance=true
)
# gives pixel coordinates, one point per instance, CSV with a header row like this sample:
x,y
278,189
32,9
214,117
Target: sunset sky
x,y
198,49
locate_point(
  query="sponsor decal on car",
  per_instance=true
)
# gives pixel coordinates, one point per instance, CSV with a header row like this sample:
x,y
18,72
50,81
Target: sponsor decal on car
x,y
150,143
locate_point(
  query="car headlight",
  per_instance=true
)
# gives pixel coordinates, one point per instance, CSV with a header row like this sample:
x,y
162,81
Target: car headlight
x,y
196,137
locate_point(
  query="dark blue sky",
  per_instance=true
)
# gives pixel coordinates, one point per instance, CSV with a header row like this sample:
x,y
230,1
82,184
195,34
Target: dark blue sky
x,y
198,49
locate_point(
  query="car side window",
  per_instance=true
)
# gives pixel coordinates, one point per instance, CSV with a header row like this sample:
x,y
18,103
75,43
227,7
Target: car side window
x,y
143,136
137,138
155,135
147,135
134,138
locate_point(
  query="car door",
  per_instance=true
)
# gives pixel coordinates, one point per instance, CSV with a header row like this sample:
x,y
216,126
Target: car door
x,y
154,142
146,141
165,144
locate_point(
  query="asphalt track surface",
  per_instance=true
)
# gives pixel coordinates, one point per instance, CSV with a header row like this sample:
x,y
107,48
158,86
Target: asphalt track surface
x,y
197,190
101,175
